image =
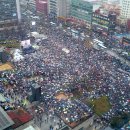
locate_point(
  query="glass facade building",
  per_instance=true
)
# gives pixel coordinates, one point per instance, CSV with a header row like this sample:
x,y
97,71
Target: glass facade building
x,y
8,10
81,10
10,16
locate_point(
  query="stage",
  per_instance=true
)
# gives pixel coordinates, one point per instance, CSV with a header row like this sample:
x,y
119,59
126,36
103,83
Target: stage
x,y
61,96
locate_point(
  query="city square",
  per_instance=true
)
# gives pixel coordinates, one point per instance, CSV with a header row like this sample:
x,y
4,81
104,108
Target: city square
x,y
66,76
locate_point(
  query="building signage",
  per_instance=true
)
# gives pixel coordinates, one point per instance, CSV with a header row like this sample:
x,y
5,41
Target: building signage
x,y
106,22
101,20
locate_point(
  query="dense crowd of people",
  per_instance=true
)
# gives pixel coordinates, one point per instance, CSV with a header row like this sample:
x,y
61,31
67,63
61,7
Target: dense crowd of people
x,y
54,71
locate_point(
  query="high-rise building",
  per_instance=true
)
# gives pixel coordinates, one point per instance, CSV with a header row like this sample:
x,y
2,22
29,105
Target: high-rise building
x,y
125,8
82,10
59,8
28,4
41,6
32,5
9,12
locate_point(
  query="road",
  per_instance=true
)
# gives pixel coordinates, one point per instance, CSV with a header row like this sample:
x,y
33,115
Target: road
x,y
48,121
112,53
118,57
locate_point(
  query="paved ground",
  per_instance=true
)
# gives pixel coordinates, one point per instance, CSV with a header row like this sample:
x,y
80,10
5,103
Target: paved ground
x,y
112,53
48,121
45,125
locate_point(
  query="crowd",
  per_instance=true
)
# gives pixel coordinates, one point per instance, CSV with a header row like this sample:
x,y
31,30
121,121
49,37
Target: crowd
x,y
54,71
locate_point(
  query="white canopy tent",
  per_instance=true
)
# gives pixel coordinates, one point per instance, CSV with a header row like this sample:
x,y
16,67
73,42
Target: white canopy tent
x,y
66,50
17,56
36,35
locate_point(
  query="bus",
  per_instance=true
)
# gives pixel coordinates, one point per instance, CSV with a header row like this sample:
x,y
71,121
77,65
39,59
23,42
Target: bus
x,y
99,44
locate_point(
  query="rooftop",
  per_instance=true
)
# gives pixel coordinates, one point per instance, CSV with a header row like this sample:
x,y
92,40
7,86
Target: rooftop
x,y
5,120
19,117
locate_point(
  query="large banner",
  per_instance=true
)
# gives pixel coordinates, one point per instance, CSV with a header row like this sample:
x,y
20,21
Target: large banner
x,y
2,42
9,43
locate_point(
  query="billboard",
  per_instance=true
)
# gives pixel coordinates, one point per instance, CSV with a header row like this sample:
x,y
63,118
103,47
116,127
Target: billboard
x,y
106,22
41,6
